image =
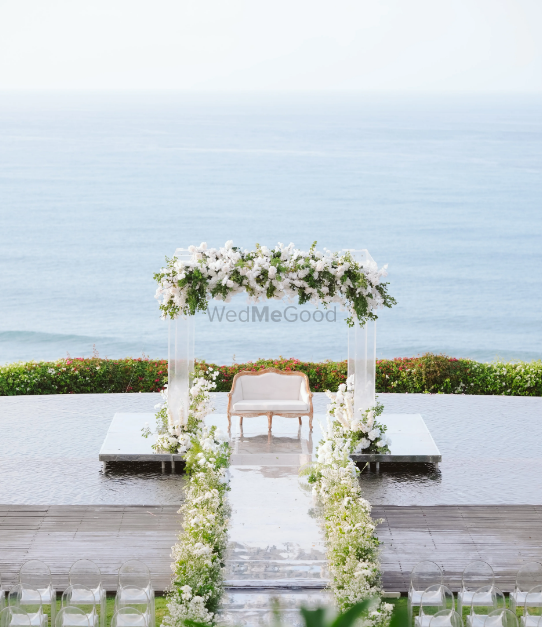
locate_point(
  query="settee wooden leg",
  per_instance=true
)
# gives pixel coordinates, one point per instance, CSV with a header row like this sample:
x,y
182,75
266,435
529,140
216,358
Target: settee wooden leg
x,y
240,421
310,423
269,421
299,418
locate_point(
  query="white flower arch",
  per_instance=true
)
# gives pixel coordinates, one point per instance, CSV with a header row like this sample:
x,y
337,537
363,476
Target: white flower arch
x,y
350,278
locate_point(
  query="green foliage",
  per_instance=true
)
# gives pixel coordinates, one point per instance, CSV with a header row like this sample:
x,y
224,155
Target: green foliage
x,y
429,374
439,374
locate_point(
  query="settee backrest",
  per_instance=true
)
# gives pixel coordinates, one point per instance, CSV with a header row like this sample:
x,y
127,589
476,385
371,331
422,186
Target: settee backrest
x,y
270,386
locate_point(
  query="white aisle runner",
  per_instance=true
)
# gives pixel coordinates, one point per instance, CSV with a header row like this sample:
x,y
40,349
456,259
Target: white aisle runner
x,y
276,543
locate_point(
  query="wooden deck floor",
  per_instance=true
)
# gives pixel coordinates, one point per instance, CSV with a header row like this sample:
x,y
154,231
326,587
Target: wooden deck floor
x,y
107,534
451,535
505,536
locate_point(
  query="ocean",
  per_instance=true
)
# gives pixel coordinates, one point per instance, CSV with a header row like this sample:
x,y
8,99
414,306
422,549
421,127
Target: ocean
x,y
97,188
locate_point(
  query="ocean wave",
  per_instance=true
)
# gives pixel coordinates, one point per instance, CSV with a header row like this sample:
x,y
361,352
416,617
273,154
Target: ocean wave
x,y
40,337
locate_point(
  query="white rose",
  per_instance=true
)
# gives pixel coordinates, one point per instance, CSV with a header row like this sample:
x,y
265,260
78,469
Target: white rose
x,y
272,272
320,266
228,245
373,434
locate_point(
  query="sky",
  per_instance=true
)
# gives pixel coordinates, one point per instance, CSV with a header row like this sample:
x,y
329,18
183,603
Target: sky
x,y
242,45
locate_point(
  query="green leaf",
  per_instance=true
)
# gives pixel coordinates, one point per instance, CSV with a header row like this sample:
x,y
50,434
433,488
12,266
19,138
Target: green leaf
x,y
314,618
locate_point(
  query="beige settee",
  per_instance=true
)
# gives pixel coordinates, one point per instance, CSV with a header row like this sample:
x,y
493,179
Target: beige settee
x,y
270,392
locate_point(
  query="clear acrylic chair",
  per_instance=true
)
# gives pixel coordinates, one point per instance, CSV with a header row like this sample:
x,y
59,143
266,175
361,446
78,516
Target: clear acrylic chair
x,y
14,616
423,575
83,598
128,617
476,575
502,618
484,601
528,576
446,618
86,573
532,608
35,574
135,598
135,574
29,600
434,599
71,617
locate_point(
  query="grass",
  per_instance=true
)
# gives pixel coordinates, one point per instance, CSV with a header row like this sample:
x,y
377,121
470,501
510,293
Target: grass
x,y
160,608
160,604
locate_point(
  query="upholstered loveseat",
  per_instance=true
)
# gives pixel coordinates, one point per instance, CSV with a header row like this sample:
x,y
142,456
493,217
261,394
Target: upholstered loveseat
x,y
270,392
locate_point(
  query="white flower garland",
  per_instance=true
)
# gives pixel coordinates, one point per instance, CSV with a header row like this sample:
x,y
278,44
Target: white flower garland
x,y
199,554
184,287
352,546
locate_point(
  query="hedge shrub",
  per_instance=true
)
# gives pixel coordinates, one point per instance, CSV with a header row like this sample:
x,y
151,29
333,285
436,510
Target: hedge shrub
x,y
426,374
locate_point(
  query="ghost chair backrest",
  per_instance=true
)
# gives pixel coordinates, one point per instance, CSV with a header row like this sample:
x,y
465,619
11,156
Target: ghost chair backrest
x,y
476,575
130,596
532,609
14,615
70,616
425,574
128,617
501,618
85,573
35,574
28,599
529,576
446,618
134,573
435,599
81,597
486,600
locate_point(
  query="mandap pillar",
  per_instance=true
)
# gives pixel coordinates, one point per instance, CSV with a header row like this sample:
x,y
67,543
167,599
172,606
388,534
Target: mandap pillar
x,y
180,362
362,352
362,364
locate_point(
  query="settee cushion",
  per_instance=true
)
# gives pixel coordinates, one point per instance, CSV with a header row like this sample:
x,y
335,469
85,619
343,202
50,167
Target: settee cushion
x,y
274,405
270,386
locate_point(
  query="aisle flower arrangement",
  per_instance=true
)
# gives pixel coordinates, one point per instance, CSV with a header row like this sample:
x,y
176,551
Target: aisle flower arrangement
x,y
352,545
198,556
361,433
283,272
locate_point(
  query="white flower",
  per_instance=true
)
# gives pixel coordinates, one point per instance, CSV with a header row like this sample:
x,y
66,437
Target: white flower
x,y
229,244
272,272
373,434
363,443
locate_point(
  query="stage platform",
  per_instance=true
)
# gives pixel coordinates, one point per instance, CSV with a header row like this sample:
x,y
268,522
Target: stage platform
x,y
288,444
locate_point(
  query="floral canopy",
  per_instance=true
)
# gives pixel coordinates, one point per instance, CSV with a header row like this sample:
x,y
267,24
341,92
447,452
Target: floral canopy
x,y
185,285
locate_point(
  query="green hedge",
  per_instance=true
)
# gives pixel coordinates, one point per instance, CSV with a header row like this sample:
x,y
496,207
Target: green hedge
x,y
83,376
427,374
